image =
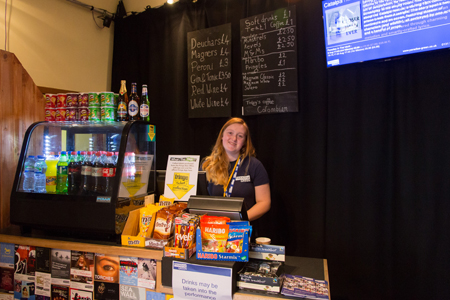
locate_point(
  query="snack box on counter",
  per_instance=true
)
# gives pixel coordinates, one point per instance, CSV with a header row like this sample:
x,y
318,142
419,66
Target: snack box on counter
x,y
267,252
222,256
181,253
130,235
261,275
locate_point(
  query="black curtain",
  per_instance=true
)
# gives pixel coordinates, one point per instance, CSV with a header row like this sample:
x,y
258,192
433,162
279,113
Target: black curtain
x,y
359,175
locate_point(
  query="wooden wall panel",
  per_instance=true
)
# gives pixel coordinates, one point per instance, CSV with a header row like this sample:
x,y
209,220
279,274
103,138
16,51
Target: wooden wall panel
x,y
22,104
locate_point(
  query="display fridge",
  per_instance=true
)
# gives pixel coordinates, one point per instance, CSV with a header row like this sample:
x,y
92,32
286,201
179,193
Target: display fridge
x,y
82,178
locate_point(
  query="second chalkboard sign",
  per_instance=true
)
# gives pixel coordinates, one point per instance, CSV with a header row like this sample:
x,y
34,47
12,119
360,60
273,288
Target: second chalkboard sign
x,y
209,72
269,62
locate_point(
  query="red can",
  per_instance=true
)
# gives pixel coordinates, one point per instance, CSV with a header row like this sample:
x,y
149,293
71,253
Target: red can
x,y
72,100
60,115
71,114
83,114
61,101
50,114
83,100
50,100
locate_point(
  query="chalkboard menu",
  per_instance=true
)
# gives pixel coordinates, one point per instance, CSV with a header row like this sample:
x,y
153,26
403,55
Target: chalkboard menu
x,y
269,62
209,72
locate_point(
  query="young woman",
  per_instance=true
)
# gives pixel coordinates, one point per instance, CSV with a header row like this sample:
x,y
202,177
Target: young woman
x,y
233,170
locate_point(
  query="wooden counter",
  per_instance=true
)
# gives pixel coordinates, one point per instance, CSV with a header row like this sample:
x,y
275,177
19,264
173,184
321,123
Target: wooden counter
x,y
309,267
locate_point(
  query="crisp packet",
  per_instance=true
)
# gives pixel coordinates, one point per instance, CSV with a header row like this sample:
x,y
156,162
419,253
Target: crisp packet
x,y
205,219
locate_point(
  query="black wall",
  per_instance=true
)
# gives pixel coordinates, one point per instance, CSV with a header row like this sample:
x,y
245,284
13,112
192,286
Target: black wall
x,y
360,175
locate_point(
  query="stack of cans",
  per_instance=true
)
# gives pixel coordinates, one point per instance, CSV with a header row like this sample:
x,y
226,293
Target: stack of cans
x,y
72,107
83,107
50,107
107,107
61,108
94,107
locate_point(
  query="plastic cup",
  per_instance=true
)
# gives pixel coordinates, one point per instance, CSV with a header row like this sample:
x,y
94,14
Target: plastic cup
x,y
263,241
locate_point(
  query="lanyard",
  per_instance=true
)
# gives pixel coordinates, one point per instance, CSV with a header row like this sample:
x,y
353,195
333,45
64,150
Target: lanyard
x,y
229,188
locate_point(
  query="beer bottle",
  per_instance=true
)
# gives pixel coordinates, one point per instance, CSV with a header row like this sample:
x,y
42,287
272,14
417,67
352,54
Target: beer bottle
x,y
122,103
133,105
144,110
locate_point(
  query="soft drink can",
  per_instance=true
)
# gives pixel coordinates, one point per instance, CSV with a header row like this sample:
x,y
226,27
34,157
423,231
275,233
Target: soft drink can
x,y
72,100
71,114
108,114
61,101
107,99
60,115
94,114
83,114
83,100
50,100
50,114
94,99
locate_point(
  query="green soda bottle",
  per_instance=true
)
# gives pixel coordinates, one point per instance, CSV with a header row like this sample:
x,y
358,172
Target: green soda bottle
x,y
61,174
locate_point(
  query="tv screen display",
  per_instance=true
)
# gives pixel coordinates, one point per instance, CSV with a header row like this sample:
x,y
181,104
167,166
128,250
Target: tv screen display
x,y
357,31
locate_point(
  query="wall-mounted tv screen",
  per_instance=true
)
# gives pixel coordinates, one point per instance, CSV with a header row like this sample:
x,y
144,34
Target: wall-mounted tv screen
x,y
357,31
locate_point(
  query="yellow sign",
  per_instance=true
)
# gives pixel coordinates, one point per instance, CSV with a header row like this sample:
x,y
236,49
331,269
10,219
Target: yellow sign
x,y
133,186
151,133
180,185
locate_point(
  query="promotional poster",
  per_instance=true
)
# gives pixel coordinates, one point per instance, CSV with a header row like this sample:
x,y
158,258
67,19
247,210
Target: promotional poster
x,y
106,291
82,270
107,268
76,294
43,284
128,270
43,263
24,289
60,269
147,273
25,260
128,292
6,255
60,292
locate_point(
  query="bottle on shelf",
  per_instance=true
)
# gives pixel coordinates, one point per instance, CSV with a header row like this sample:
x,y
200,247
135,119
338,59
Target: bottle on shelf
x,y
40,168
97,174
28,174
61,174
122,103
50,174
109,173
74,174
86,174
144,110
133,105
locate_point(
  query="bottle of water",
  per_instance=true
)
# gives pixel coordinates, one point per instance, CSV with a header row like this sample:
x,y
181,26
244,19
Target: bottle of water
x,y
40,167
28,174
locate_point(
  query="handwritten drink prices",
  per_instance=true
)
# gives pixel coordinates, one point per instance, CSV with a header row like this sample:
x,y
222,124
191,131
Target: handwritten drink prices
x,y
269,62
209,72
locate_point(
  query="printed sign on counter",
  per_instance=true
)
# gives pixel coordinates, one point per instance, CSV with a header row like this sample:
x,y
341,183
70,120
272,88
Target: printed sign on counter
x,y
181,176
191,281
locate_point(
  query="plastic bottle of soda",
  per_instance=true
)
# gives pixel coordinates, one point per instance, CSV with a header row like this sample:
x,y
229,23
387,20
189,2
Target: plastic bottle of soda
x,y
97,175
50,174
61,174
73,174
28,174
39,175
109,173
86,173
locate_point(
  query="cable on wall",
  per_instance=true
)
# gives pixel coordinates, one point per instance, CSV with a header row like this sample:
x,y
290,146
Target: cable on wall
x,y
106,16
